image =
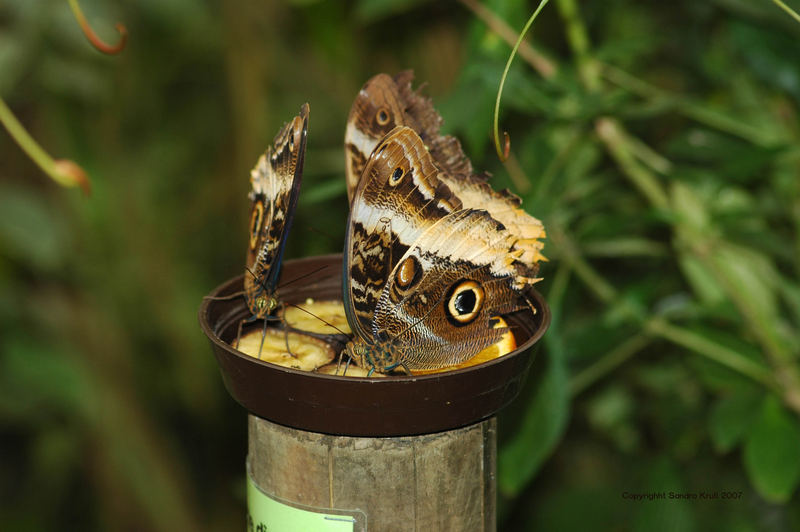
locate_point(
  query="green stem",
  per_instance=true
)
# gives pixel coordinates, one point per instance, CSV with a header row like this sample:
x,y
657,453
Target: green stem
x,y
792,13
65,173
608,362
603,290
611,133
578,39
659,327
28,144
545,66
688,108
713,351
557,163
502,153
93,38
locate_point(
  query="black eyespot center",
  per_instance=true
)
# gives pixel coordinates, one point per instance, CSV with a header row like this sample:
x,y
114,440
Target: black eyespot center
x,y
255,223
397,175
465,301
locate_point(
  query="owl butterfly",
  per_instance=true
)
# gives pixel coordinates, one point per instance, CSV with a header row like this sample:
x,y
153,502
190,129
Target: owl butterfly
x,y
425,275
385,102
275,184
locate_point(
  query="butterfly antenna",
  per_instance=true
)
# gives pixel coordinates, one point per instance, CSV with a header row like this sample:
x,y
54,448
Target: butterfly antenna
x,y
287,283
332,326
323,233
251,272
286,341
339,363
263,337
530,304
239,333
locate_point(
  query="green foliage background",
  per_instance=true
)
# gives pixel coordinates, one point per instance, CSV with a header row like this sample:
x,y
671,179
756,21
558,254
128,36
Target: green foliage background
x,y
658,141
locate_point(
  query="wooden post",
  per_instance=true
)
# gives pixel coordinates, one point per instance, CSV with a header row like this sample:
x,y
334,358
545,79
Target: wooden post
x,y
441,481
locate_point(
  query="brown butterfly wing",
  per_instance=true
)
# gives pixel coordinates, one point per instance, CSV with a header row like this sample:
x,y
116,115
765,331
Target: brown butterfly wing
x,y
397,199
407,107
440,299
410,249
275,185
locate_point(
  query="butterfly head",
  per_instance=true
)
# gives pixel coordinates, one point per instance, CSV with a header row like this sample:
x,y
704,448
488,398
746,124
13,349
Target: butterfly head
x,y
382,356
262,305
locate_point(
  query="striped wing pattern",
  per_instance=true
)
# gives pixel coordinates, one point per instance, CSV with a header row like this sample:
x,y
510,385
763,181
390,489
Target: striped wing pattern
x,y
385,102
424,273
275,185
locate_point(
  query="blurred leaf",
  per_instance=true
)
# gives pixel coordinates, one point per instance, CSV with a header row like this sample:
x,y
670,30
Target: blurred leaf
x,y
751,275
692,214
472,92
733,158
772,452
625,247
372,10
704,284
769,54
714,375
610,413
732,416
38,379
325,191
668,513
12,61
542,425
29,229
75,78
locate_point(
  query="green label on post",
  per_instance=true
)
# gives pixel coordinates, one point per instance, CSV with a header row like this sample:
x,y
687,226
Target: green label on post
x,y
266,514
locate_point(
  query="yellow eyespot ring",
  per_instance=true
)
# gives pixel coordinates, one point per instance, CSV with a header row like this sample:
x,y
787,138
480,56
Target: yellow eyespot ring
x,y
465,301
382,117
396,177
406,273
255,223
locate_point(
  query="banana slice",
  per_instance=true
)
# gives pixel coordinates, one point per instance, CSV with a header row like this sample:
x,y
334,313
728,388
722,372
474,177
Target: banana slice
x,y
307,353
312,354
352,370
315,315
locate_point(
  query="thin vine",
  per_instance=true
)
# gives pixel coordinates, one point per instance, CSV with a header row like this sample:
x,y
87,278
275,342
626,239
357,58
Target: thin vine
x,y
503,152
93,37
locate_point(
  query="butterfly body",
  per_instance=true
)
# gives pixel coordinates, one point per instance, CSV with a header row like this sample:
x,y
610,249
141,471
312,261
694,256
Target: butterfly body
x,y
275,185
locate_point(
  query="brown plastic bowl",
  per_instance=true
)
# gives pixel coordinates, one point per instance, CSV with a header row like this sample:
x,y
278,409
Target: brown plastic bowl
x,y
352,406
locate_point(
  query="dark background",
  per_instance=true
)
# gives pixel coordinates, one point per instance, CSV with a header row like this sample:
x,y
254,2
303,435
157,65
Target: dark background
x,y
658,142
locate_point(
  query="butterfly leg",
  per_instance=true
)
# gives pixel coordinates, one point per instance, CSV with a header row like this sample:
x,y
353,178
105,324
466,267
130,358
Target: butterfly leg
x,y
263,337
405,368
239,331
346,366
286,340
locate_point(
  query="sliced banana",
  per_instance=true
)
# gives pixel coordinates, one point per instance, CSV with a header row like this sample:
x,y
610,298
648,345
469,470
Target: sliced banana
x,y
334,368
307,353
